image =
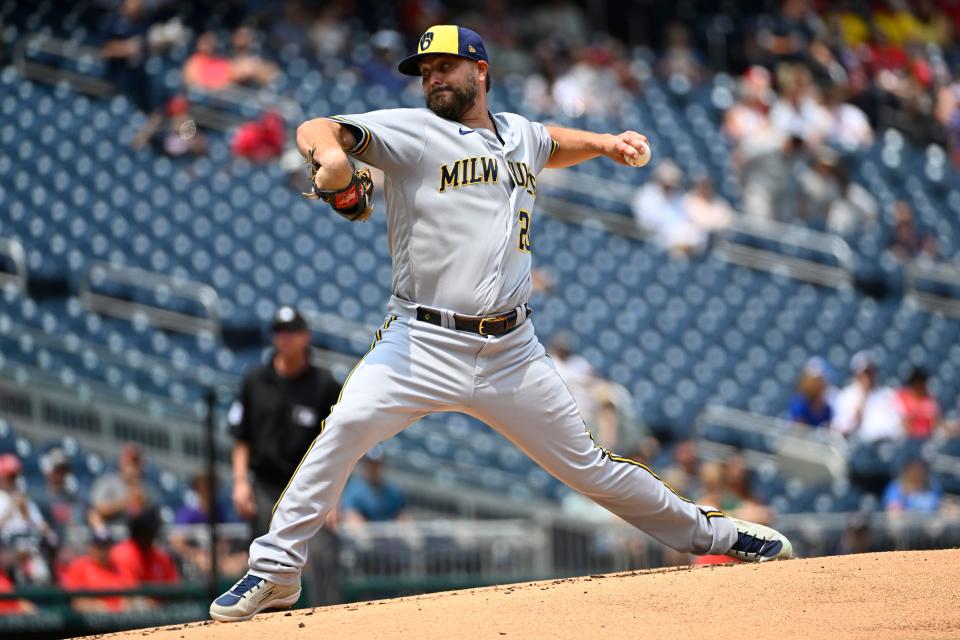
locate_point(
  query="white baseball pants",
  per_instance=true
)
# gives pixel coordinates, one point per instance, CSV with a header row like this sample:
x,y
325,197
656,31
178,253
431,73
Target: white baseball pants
x,y
415,368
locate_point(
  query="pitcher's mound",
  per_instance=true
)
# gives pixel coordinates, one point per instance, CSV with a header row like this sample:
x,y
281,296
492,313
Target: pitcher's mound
x,y
883,595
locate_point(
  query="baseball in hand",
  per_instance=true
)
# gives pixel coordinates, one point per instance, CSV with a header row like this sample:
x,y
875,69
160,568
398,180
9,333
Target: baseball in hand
x,y
641,158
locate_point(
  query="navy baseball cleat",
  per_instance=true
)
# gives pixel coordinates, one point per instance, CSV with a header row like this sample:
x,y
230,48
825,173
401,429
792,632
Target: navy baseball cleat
x,y
757,543
251,595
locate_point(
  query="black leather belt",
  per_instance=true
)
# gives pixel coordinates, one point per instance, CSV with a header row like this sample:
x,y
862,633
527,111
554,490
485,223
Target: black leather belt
x,y
496,325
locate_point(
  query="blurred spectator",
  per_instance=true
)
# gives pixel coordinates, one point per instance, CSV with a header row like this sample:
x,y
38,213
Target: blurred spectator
x,y
261,140
908,243
919,410
25,537
560,19
820,186
851,20
58,499
114,496
381,68
854,211
200,505
172,131
825,68
739,485
124,48
707,211
97,571
592,85
857,538
206,69
247,66
680,64
138,558
863,410
767,174
750,115
849,127
810,404
947,114
930,24
659,209
798,111
369,497
913,490
200,508
792,30
683,474
279,411
893,19
329,31
713,488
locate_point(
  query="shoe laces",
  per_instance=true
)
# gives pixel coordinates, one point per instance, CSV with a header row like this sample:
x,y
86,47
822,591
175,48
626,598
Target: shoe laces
x,y
747,543
246,583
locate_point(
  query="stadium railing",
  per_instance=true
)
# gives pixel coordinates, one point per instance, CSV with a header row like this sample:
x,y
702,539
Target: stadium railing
x,y
934,286
767,245
52,60
813,455
114,290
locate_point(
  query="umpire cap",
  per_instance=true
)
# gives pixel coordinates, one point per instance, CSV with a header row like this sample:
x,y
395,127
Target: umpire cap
x,y
288,319
449,39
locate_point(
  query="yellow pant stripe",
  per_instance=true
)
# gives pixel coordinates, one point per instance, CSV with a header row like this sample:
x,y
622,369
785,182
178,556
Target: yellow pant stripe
x,y
648,470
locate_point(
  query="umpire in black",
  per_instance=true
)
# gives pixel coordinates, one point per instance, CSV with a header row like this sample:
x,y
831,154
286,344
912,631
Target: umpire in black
x,y
275,418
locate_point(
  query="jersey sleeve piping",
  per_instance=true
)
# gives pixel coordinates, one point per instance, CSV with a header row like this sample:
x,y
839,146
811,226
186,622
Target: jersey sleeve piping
x,y
365,136
554,147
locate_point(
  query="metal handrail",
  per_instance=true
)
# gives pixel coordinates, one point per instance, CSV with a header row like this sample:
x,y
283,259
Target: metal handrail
x,y
821,241
799,268
202,293
70,343
941,272
54,74
13,249
804,453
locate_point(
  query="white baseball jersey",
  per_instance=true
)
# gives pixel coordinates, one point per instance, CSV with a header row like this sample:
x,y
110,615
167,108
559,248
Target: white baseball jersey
x,y
458,206
450,187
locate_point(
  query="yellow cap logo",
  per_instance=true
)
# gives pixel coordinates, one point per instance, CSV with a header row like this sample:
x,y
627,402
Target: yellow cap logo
x,y
471,49
425,40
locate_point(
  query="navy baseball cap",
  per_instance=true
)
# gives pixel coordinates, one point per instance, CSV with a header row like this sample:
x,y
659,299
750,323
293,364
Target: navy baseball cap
x,y
445,38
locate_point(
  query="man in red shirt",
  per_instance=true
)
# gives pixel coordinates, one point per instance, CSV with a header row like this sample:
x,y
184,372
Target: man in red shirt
x,y
139,558
919,409
97,571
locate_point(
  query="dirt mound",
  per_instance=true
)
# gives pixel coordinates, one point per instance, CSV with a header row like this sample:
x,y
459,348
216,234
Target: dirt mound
x,y
884,595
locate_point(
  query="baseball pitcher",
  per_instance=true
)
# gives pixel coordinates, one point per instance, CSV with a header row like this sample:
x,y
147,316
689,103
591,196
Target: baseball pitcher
x,y
460,189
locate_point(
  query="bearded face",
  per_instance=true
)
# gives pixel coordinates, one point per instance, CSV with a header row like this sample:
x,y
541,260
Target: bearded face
x,y
450,101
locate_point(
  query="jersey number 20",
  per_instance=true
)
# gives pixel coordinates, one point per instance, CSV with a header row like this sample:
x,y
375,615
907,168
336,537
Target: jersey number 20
x,y
523,217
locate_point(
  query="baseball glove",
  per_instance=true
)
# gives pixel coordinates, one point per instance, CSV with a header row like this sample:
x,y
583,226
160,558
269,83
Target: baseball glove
x,y
354,202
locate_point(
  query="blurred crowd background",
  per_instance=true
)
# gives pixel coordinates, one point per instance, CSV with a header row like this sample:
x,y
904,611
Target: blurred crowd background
x,y
767,314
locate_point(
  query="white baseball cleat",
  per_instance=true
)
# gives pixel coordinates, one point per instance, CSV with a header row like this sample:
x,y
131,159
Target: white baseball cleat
x,y
251,595
757,543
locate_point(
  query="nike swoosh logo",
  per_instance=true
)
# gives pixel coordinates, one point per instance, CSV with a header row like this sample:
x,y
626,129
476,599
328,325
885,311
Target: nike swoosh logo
x,y
266,595
463,133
